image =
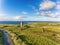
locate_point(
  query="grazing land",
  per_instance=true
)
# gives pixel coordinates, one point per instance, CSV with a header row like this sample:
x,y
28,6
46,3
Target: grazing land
x,y
35,33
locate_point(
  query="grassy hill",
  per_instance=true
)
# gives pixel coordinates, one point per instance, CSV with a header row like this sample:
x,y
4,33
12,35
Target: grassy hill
x,y
39,33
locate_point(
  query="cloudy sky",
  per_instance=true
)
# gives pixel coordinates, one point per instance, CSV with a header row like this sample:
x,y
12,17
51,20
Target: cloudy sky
x,y
30,10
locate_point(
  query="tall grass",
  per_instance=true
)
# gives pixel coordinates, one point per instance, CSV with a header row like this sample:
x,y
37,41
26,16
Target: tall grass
x,y
1,38
35,34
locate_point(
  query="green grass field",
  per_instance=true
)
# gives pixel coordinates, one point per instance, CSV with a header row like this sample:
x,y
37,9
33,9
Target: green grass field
x,y
38,33
1,39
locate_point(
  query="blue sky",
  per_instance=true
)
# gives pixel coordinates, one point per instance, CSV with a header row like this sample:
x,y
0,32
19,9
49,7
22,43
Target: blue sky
x,y
30,10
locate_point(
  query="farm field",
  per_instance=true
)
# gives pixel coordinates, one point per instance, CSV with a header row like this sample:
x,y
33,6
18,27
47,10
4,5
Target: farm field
x,y
36,33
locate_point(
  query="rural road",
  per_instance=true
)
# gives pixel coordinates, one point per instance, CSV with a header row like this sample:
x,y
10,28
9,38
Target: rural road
x,y
7,38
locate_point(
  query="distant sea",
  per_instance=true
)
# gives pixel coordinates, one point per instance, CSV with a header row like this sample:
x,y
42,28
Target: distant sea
x,y
17,22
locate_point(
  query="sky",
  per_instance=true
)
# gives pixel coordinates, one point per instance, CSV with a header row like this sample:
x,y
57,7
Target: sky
x,y
30,10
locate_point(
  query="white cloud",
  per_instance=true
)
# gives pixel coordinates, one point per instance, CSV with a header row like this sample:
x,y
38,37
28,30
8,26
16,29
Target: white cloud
x,y
40,18
6,17
18,17
58,5
46,5
34,8
37,13
46,16
24,12
3,17
50,14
